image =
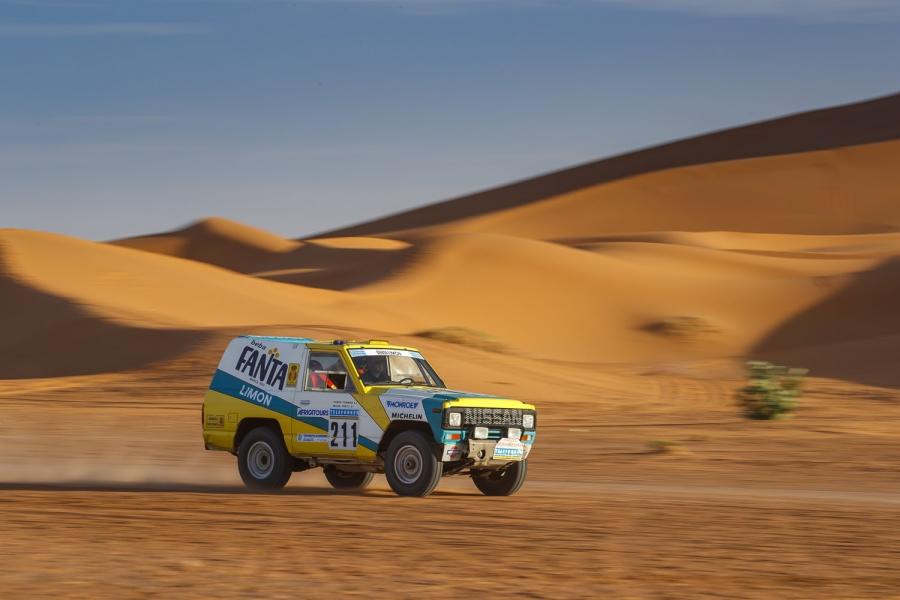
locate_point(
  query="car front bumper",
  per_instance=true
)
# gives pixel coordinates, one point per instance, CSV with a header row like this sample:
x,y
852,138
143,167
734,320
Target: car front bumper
x,y
487,453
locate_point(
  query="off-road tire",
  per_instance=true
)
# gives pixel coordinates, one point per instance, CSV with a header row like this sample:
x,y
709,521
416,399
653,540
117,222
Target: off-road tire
x,y
411,465
347,480
503,482
263,461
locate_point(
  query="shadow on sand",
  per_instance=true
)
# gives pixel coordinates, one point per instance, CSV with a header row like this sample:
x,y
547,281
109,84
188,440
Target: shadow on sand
x,y
48,336
854,334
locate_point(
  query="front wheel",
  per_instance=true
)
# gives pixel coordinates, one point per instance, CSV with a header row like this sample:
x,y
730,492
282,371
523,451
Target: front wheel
x,y
347,480
263,461
411,465
501,482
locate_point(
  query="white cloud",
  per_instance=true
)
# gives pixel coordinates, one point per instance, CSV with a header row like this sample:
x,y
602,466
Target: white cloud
x,y
805,10
802,10
816,10
54,30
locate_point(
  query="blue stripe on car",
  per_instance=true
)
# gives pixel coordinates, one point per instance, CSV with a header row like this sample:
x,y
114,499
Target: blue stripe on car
x,y
228,384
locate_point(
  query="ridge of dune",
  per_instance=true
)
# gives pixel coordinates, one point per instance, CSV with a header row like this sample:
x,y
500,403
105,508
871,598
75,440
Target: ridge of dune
x,y
217,241
851,190
748,242
856,124
359,243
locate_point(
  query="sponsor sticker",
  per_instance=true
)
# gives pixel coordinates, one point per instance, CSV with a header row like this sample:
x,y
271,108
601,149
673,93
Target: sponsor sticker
x,y
383,352
404,409
251,393
344,413
293,372
262,365
312,437
452,452
406,416
215,420
312,412
407,404
509,449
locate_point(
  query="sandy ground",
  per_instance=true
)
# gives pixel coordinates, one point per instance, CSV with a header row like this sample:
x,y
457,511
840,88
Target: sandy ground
x,y
105,493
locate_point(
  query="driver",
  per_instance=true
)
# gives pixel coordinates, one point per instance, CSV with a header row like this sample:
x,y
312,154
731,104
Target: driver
x,y
375,370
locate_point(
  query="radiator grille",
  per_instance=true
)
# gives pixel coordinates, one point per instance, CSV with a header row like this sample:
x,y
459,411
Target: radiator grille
x,y
509,417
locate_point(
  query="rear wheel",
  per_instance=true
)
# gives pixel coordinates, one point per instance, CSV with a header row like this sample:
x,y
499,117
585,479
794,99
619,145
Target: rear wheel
x,y
263,461
501,482
347,480
411,465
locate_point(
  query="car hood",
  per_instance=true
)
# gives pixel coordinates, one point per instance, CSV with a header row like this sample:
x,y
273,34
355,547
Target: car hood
x,y
432,397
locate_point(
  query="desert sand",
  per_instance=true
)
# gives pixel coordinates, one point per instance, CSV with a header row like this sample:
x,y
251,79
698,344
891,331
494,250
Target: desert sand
x,y
621,296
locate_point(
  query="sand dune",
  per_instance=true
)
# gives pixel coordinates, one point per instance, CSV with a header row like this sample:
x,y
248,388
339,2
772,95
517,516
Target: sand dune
x,y
748,242
625,302
131,287
617,301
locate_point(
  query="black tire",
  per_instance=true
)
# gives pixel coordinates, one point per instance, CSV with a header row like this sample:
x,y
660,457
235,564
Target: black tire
x,y
503,482
411,465
263,461
347,480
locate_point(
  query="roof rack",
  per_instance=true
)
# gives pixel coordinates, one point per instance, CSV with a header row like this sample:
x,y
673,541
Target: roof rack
x,y
278,338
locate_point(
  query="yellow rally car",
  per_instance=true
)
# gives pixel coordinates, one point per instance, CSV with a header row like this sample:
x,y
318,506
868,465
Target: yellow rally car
x,y
283,405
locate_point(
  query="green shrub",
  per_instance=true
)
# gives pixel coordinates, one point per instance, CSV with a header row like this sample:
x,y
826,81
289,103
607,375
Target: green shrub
x,y
663,447
772,391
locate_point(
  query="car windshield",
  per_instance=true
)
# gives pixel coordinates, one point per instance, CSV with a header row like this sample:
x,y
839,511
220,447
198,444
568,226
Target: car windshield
x,y
378,366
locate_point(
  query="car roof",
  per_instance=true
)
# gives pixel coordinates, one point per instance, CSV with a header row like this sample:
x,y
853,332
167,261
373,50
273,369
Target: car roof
x,y
331,344
275,338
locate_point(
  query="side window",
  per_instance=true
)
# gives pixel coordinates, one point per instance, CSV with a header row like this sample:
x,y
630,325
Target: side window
x,y
325,372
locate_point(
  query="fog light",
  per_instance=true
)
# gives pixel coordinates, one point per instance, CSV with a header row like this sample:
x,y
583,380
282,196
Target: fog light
x,y
454,419
528,421
514,433
480,433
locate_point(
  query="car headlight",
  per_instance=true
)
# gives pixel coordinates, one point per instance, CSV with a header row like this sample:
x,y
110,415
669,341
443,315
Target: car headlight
x,y
454,419
528,420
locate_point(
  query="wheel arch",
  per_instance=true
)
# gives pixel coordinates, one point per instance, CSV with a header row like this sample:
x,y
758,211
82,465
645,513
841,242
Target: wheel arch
x,y
398,427
248,424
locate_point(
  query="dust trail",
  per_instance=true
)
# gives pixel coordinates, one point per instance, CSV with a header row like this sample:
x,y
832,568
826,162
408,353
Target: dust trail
x,y
74,471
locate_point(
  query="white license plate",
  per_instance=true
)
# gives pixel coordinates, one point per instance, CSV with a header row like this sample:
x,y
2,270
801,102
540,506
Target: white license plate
x,y
509,449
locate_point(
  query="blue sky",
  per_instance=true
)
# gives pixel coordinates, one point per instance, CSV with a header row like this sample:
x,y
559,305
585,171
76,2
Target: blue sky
x,y
121,117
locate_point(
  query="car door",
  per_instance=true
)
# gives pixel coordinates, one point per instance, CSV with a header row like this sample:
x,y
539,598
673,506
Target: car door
x,y
328,416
